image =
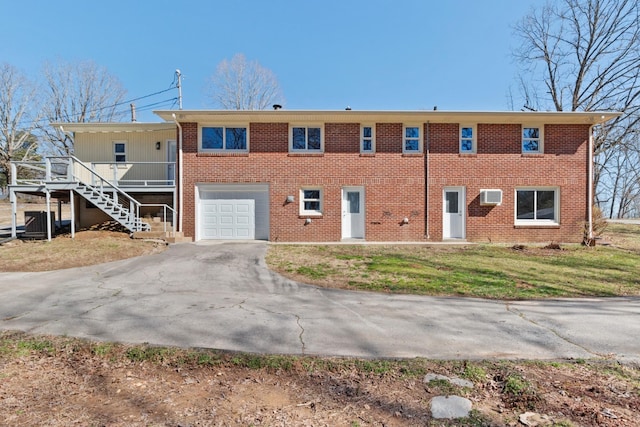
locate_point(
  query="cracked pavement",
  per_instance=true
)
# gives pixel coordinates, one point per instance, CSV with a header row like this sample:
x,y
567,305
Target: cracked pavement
x,y
221,295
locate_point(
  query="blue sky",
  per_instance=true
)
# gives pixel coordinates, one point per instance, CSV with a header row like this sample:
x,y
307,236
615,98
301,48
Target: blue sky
x,y
326,54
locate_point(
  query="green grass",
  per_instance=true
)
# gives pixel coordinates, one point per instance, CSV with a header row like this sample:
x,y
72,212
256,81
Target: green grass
x,y
483,270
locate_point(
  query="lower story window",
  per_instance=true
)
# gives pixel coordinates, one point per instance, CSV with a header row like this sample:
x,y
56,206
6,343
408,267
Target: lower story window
x,y
311,201
537,206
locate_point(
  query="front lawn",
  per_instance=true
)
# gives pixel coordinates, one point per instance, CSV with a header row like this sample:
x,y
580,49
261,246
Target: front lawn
x,y
483,270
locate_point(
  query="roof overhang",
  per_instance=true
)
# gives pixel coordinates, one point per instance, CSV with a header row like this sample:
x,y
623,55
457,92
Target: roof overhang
x,y
352,116
114,127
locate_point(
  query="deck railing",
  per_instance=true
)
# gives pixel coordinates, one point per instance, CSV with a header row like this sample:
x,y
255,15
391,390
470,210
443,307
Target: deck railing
x,y
125,174
69,169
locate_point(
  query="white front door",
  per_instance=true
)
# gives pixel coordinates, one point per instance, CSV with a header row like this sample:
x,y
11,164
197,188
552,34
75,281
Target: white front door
x,y
454,213
171,162
353,213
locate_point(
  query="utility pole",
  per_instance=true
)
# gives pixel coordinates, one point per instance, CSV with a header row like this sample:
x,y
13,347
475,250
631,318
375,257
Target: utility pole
x,y
179,86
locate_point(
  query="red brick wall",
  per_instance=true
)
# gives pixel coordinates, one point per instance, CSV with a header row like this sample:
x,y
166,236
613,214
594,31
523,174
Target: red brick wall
x,y
395,183
499,164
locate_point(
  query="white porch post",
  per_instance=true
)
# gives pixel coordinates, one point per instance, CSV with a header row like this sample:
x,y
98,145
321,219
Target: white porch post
x,y
14,213
48,194
73,213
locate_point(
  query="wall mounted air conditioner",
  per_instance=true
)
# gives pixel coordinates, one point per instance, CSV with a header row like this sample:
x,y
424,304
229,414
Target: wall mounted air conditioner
x,y
491,197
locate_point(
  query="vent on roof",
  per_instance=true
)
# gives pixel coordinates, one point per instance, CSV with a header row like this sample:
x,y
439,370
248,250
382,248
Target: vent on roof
x,y
490,197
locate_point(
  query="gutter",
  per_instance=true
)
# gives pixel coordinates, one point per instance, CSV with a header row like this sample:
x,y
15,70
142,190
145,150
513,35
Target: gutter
x,y
180,192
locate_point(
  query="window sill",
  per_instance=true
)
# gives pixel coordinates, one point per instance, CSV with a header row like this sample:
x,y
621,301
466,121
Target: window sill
x,y
367,154
467,154
222,154
412,155
305,154
532,225
532,154
310,215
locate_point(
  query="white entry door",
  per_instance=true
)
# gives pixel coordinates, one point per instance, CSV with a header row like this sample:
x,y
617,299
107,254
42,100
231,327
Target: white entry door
x,y
171,161
353,213
454,213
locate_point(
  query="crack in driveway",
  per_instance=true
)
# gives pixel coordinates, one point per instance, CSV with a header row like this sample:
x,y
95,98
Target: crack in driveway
x,y
524,317
301,333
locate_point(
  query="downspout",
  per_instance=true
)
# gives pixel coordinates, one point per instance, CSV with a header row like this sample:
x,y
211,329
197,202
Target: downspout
x,y
590,185
180,193
426,185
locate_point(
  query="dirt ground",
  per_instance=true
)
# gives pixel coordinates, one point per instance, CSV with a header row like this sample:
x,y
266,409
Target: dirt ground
x,y
60,381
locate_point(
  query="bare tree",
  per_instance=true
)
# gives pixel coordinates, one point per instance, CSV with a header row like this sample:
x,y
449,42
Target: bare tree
x,y
584,55
243,85
78,93
19,118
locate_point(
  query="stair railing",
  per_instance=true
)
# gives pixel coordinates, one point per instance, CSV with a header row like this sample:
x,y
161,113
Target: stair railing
x,y
134,205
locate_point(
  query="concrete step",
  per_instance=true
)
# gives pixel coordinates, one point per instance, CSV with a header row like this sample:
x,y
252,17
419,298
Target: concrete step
x,y
179,239
169,236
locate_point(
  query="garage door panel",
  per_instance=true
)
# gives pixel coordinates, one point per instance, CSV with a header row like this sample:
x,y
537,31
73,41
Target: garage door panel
x,y
243,220
242,209
210,220
243,234
226,220
226,208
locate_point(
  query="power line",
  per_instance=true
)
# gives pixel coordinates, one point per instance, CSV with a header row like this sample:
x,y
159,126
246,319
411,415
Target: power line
x,y
44,120
147,107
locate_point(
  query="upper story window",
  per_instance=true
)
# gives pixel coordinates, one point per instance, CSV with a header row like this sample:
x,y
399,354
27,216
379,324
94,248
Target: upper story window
x,y
412,141
120,151
367,139
468,139
306,139
537,206
532,139
311,201
221,138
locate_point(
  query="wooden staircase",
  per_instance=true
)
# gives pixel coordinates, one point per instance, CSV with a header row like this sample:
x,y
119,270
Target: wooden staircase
x,y
110,204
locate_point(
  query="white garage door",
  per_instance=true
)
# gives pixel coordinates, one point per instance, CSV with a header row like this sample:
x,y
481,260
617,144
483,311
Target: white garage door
x,y
209,213
227,219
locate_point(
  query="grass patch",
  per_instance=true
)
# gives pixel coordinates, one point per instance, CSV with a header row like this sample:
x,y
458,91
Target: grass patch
x,y
474,373
485,271
87,248
150,354
271,362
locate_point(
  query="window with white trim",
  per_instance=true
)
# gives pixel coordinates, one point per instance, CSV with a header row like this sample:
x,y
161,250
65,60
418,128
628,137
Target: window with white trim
x,y
468,139
532,139
538,206
412,139
367,139
306,139
311,201
224,138
120,151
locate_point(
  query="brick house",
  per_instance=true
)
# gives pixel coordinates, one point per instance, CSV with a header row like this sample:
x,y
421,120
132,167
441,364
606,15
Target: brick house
x,y
329,176
416,176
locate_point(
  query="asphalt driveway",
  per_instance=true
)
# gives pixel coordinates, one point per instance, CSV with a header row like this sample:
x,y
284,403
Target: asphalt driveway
x,y
223,296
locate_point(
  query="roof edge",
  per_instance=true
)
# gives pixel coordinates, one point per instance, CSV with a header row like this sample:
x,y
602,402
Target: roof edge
x,y
346,116
115,126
